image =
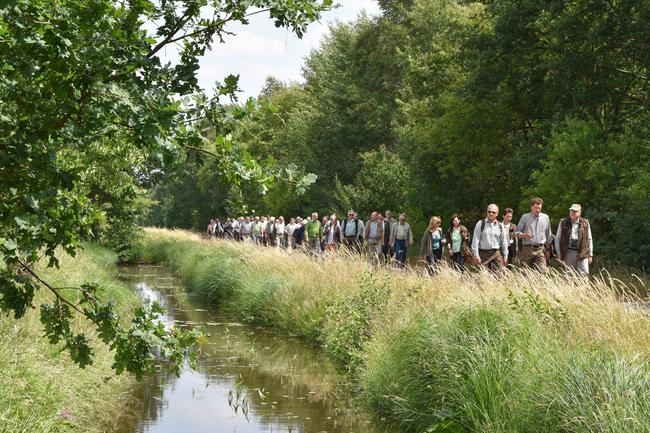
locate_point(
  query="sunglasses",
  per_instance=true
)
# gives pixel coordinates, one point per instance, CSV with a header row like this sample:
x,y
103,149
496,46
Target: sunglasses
x,y
491,211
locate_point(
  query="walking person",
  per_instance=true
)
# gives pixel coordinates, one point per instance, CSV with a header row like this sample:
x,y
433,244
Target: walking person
x,y
512,232
236,228
281,232
374,236
210,230
291,228
332,234
401,238
432,243
352,230
573,242
490,241
457,237
299,232
271,232
534,229
387,249
324,224
314,232
263,222
256,231
218,229
246,229
227,229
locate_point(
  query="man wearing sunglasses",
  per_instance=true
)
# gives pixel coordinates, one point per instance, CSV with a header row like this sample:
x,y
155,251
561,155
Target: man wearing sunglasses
x,y
490,242
352,230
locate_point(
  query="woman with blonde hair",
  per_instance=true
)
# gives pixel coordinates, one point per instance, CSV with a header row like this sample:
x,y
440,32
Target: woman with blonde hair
x,y
432,243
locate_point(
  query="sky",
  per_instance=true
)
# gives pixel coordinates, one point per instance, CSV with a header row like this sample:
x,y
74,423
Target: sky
x,y
259,49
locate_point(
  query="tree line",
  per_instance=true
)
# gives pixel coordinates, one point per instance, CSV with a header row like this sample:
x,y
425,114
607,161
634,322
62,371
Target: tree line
x,y
443,106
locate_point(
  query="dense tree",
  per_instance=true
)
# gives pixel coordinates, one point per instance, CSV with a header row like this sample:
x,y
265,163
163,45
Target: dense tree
x,y
82,85
477,102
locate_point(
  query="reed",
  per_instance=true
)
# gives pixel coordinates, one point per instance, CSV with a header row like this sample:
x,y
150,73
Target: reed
x,y
455,353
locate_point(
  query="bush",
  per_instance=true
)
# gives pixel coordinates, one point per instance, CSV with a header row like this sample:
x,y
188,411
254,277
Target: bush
x,y
349,320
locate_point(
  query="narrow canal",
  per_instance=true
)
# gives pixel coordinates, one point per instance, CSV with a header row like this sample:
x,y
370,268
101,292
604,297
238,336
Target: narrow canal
x,y
249,379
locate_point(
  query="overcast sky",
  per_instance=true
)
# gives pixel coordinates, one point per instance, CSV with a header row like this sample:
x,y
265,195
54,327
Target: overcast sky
x,y
260,49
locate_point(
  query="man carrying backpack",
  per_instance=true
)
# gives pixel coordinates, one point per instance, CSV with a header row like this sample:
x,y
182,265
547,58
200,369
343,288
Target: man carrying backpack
x,y
490,242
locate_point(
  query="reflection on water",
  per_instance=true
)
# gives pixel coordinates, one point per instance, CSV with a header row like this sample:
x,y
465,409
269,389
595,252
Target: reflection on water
x,y
249,379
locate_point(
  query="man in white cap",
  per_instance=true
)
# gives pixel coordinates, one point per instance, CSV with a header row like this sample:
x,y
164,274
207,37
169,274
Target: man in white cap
x,y
573,242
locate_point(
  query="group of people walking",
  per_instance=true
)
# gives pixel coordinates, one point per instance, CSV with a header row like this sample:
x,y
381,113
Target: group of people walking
x,y
493,244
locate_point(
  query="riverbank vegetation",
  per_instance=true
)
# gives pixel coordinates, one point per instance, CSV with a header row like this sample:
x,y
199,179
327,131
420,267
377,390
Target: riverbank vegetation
x,y
457,353
41,388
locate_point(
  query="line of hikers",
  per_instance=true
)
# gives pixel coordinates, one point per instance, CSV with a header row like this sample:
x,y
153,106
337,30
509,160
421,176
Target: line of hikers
x,y
493,244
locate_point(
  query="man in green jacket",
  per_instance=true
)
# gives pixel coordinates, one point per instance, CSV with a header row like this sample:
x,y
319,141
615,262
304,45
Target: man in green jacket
x,y
313,232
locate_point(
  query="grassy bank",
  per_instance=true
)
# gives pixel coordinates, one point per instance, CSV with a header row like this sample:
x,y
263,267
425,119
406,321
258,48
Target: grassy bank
x,y
524,353
41,390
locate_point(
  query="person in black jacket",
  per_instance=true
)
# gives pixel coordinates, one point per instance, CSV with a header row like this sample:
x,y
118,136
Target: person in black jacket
x,y
299,232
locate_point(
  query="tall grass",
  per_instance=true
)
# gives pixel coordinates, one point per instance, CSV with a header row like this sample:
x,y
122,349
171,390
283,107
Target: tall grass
x,y
455,353
41,390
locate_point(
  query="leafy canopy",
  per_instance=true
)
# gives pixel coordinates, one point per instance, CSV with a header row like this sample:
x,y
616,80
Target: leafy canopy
x,y
82,84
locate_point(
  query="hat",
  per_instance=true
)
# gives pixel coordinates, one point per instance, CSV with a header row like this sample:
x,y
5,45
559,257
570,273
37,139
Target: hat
x,y
576,207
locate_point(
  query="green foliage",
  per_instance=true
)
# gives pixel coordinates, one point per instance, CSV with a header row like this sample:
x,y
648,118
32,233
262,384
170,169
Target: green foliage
x,y
255,302
612,175
529,302
383,181
90,118
472,103
483,369
231,179
41,389
133,347
350,320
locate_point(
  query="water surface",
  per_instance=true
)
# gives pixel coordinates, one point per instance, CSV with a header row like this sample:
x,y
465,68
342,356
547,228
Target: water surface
x,y
249,379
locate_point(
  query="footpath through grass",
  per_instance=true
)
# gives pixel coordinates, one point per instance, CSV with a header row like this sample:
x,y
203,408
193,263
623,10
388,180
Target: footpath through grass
x,y
41,389
455,353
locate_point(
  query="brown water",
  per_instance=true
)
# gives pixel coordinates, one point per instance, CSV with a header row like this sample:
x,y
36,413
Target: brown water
x,y
249,379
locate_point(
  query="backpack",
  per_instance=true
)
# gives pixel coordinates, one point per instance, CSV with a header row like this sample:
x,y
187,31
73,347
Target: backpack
x,y
483,226
356,227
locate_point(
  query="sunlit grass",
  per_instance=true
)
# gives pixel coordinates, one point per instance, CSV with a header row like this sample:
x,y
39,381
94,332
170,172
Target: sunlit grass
x,y
465,352
41,389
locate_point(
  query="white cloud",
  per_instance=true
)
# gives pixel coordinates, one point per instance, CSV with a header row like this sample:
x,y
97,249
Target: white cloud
x,y
259,49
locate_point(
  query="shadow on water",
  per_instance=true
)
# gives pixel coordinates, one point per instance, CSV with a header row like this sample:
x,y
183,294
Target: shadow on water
x,y
249,379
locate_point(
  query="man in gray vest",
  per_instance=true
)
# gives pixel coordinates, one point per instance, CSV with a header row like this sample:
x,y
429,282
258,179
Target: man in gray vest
x,y
573,242
535,230
490,241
